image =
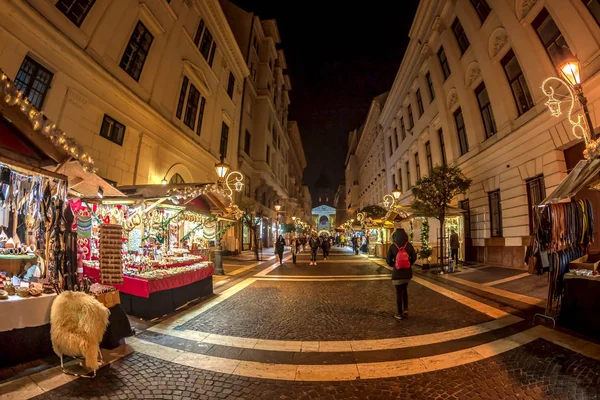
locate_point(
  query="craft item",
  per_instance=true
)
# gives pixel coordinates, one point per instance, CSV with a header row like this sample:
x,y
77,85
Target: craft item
x,y
3,295
10,244
110,254
34,291
84,226
9,287
48,289
22,291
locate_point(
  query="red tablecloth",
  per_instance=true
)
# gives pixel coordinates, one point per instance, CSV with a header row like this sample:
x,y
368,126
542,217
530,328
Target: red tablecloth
x,y
143,287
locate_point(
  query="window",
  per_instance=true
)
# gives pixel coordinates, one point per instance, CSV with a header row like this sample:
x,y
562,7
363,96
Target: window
x,y
247,138
594,7
192,108
411,121
418,166
176,179
34,81
517,82
137,51
200,115
495,213
419,102
442,146
430,86
391,148
400,179
224,139
536,192
444,62
551,37
462,133
428,154
408,182
182,93
112,130
485,108
230,85
460,35
482,8
268,157
204,40
464,205
75,10
402,128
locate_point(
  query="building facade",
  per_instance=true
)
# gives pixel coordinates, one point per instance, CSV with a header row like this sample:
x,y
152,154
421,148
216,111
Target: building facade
x,y
271,156
468,93
152,90
365,163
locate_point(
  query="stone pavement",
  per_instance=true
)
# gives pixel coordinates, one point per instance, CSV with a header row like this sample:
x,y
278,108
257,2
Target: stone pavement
x,y
328,332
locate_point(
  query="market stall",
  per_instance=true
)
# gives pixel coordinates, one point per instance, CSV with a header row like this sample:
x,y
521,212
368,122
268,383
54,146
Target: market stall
x,y
564,230
156,252
37,246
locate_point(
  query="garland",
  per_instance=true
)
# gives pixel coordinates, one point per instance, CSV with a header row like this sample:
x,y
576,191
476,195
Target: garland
x,y
223,229
425,249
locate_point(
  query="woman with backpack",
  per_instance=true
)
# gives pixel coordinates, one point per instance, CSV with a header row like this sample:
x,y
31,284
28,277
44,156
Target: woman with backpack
x,y
314,243
401,256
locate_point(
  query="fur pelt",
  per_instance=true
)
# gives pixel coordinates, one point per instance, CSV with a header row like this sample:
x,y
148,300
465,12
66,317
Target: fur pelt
x,y
77,324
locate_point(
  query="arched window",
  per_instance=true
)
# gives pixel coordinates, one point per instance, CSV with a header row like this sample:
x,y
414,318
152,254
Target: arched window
x,y
176,179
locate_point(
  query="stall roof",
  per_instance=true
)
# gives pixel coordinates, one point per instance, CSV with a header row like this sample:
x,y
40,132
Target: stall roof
x,y
83,183
584,172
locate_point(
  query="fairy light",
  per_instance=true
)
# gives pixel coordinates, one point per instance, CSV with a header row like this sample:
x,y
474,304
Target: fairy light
x,y
578,128
14,97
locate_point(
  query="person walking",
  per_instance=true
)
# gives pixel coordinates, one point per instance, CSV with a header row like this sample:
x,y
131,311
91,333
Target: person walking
x,y
295,243
279,247
355,244
325,246
401,256
454,245
314,244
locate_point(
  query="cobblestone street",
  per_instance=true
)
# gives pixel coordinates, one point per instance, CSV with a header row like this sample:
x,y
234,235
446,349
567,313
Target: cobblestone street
x,y
328,332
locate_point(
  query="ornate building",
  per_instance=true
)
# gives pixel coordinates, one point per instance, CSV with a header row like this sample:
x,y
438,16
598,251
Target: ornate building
x,y
271,156
468,93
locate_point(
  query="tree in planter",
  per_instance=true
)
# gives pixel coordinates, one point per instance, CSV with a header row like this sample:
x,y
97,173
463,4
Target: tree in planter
x,y
426,250
434,193
251,218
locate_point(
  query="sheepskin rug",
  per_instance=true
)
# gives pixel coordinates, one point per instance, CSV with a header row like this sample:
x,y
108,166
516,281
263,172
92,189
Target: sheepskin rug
x,y
77,325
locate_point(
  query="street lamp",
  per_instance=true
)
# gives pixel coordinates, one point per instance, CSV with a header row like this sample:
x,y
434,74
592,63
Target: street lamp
x,y
396,193
222,168
582,127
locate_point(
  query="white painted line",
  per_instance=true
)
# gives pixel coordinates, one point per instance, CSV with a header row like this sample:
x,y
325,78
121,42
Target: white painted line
x,y
509,279
352,371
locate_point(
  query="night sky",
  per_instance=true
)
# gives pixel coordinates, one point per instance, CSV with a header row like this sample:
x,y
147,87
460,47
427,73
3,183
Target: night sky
x,y
339,57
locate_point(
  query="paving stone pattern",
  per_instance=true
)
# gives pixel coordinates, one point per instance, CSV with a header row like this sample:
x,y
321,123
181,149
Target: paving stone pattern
x,y
539,370
341,310
324,268
532,285
489,274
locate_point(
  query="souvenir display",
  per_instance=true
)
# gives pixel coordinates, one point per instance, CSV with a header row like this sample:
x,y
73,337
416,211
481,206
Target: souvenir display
x,y
110,253
3,295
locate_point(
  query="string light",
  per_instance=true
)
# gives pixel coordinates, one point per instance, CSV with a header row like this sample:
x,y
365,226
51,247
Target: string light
x,y
14,97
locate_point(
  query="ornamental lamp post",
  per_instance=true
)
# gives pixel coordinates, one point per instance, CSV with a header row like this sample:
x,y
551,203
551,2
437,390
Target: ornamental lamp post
x,y
396,193
277,207
582,126
221,168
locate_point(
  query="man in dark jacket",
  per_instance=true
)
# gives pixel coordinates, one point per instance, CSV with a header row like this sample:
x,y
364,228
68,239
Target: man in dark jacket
x,y
401,277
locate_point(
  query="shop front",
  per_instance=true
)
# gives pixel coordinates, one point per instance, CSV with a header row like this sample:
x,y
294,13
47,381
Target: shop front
x,y
38,247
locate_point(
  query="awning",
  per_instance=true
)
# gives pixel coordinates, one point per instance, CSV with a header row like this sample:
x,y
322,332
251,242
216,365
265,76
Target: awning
x,y
584,172
83,183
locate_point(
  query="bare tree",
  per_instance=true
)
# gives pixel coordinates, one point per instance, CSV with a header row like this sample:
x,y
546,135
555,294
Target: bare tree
x,y
251,218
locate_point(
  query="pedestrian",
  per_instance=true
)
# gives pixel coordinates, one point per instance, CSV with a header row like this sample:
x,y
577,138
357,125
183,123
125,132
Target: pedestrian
x,y
401,256
454,245
355,244
326,246
303,241
314,244
294,244
279,247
